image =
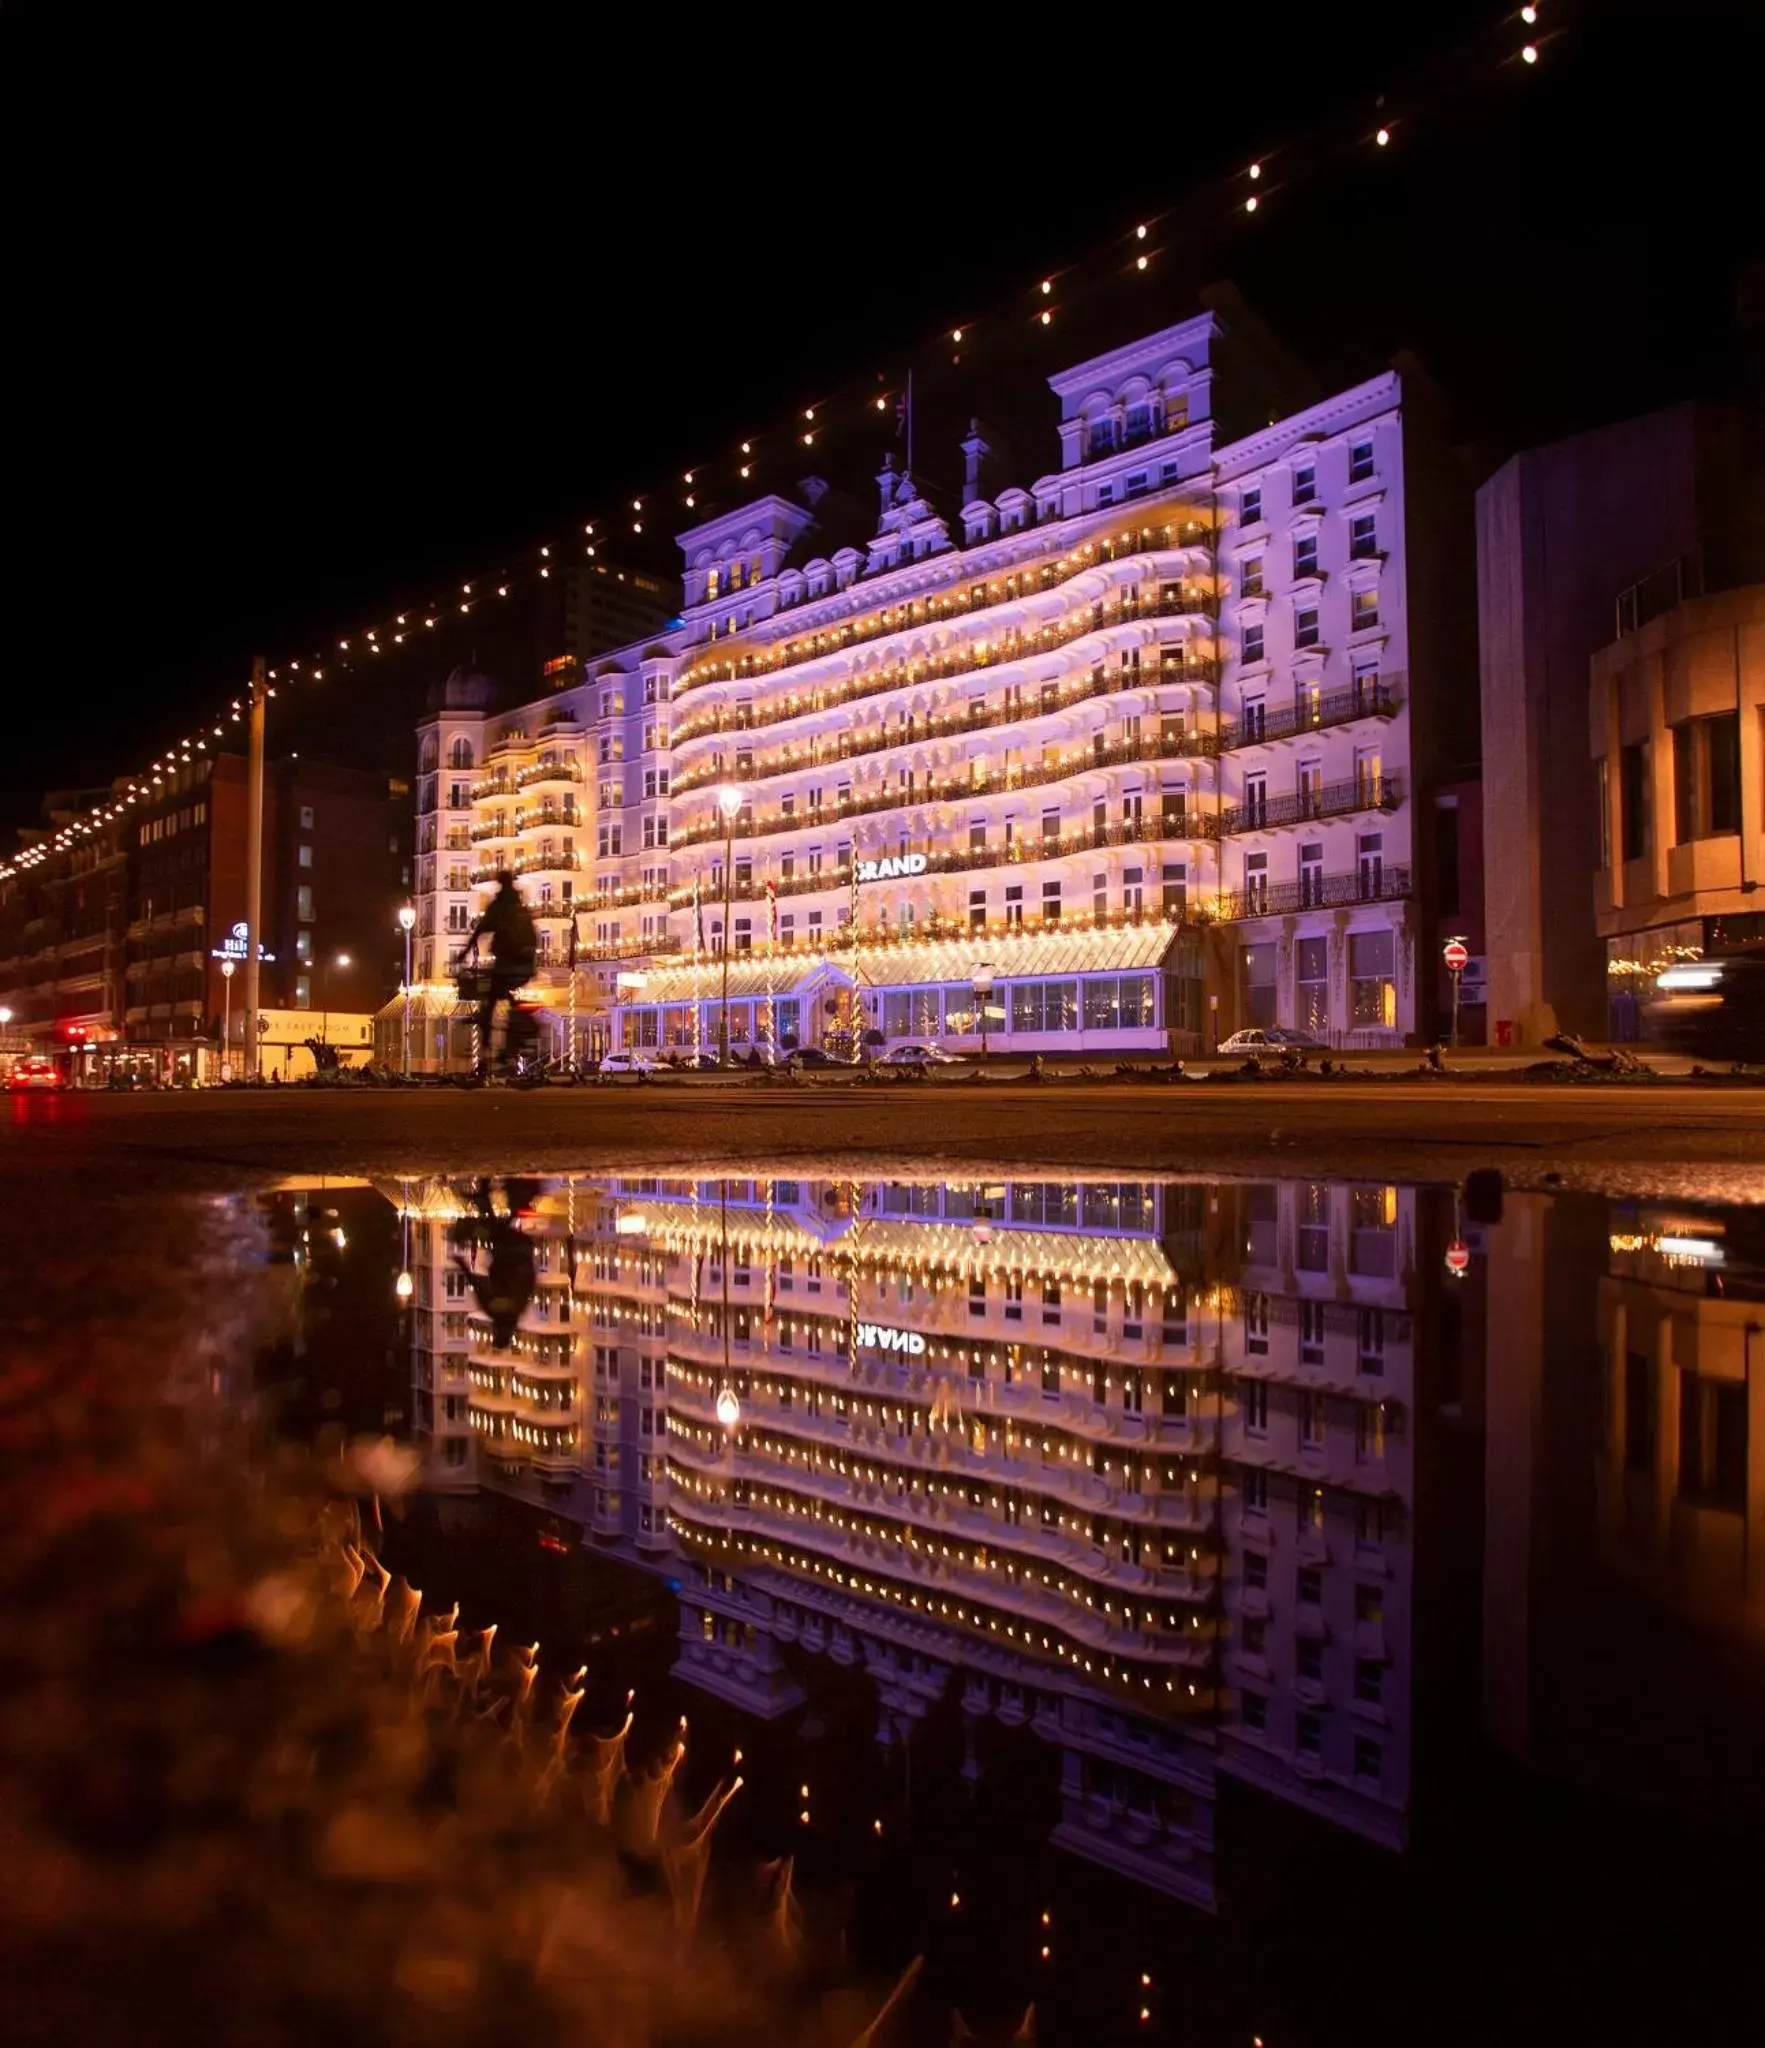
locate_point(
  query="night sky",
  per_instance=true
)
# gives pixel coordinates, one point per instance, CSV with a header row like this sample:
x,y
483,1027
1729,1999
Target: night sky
x,y
306,320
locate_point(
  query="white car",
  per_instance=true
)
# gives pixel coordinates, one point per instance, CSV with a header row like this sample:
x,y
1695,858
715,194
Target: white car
x,y
916,1053
1276,1038
628,1063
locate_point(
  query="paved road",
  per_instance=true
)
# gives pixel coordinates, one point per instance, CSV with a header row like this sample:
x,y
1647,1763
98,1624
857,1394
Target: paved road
x,y
1664,1138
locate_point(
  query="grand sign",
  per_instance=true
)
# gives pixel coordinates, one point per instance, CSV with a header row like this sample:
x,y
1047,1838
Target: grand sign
x,y
877,1337
892,867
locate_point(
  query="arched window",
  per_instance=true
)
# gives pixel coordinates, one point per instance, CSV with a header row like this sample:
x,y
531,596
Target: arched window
x,y
460,753
431,755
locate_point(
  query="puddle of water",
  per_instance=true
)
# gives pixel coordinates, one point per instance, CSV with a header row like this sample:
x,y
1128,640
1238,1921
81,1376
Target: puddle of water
x,y
1259,1604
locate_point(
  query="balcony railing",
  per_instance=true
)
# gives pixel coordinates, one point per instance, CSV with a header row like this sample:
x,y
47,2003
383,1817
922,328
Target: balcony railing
x,y
543,771
1185,829
1328,800
906,617
1334,707
970,659
630,948
1180,746
1029,704
554,863
1371,884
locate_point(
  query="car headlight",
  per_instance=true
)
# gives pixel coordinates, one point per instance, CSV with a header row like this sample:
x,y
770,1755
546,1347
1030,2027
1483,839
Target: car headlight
x,y
1697,975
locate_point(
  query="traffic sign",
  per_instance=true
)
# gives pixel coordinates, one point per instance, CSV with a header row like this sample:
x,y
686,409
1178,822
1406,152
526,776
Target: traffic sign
x,y
1457,955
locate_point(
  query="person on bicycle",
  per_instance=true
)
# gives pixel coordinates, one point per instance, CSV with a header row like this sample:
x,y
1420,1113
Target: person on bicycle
x,y
514,943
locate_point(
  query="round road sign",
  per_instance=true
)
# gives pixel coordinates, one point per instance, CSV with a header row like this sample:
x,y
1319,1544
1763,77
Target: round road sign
x,y
1457,955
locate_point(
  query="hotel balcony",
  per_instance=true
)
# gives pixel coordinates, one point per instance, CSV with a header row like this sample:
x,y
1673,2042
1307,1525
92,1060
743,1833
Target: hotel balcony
x,y
537,772
984,655
959,603
1305,806
1382,699
914,731
557,862
1186,746
1320,892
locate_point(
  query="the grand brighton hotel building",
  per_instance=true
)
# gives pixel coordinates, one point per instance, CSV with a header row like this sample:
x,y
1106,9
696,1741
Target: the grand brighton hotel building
x,y
1128,758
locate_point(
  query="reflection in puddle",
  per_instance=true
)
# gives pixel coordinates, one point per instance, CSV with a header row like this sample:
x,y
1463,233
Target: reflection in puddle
x,y
1047,1528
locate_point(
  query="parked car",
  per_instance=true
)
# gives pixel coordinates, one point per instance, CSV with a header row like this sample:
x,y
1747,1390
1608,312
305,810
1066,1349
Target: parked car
x,y
34,1074
629,1062
1271,1038
1710,1009
810,1056
917,1053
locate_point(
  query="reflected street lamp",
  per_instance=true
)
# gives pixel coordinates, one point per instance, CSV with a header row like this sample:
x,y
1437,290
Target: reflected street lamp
x,y
407,919
228,970
729,802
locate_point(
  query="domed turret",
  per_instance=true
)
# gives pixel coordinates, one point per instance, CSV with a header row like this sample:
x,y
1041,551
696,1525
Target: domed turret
x,y
466,689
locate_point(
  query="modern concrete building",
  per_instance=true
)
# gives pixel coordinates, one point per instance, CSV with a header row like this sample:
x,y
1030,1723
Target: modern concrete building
x,y
1126,757
1578,544
1677,715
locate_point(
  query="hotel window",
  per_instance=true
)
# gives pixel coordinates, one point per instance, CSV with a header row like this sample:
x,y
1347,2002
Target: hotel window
x,y
977,835
1014,903
1308,1661
1014,1298
1363,610
1256,1407
1176,888
1314,1229
1050,825
1369,1758
1311,870
1138,423
1305,555
1305,626
1256,799
1099,899
1051,902
1360,462
1604,769
1369,1434
304,857
1256,1493
303,903
1372,971
1133,892
1311,1421
977,1296
1369,850
977,909
1139,483
1309,787
1106,494
1633,797
1250,506
1363,536
1253,1710
303,992
303,947
1250,576
1305,484
1311,987
1253,642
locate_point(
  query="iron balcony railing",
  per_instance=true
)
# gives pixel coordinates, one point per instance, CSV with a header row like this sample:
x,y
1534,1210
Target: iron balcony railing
x,y
1028,703
1302,806
971,659
1179,746
1183,829
1371,884
911,614
1333,707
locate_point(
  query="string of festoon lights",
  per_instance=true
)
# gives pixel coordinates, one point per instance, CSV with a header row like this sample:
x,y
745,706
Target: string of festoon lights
x,y
1511,45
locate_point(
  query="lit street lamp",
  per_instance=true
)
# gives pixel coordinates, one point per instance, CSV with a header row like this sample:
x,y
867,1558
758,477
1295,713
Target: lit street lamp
x,y
227,970
341,960
407,919
729,802
983,996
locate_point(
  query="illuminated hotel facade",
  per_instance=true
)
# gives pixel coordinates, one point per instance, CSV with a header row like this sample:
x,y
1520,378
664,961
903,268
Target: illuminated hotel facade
x,y
1125,1463
1125,759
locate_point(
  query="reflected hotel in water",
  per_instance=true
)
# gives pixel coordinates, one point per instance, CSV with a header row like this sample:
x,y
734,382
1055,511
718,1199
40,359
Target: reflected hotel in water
x,y
1127,1463
1122,760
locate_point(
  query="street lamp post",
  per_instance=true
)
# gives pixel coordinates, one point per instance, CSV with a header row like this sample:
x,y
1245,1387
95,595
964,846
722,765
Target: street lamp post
x,y
983,995
341,960
729,802
407,919
227,971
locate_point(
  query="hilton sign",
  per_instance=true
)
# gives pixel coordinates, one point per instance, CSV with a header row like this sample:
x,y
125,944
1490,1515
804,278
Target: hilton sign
x,y
892,868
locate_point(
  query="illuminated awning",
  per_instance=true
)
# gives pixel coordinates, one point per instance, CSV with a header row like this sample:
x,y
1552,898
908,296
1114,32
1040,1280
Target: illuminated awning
x,y
777,974
1078,949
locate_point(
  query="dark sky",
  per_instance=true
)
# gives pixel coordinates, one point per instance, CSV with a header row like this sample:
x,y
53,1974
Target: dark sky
x,y
314,311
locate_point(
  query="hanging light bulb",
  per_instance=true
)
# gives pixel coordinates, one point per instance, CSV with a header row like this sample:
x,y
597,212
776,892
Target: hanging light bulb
x,y
1530,53
1383,137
